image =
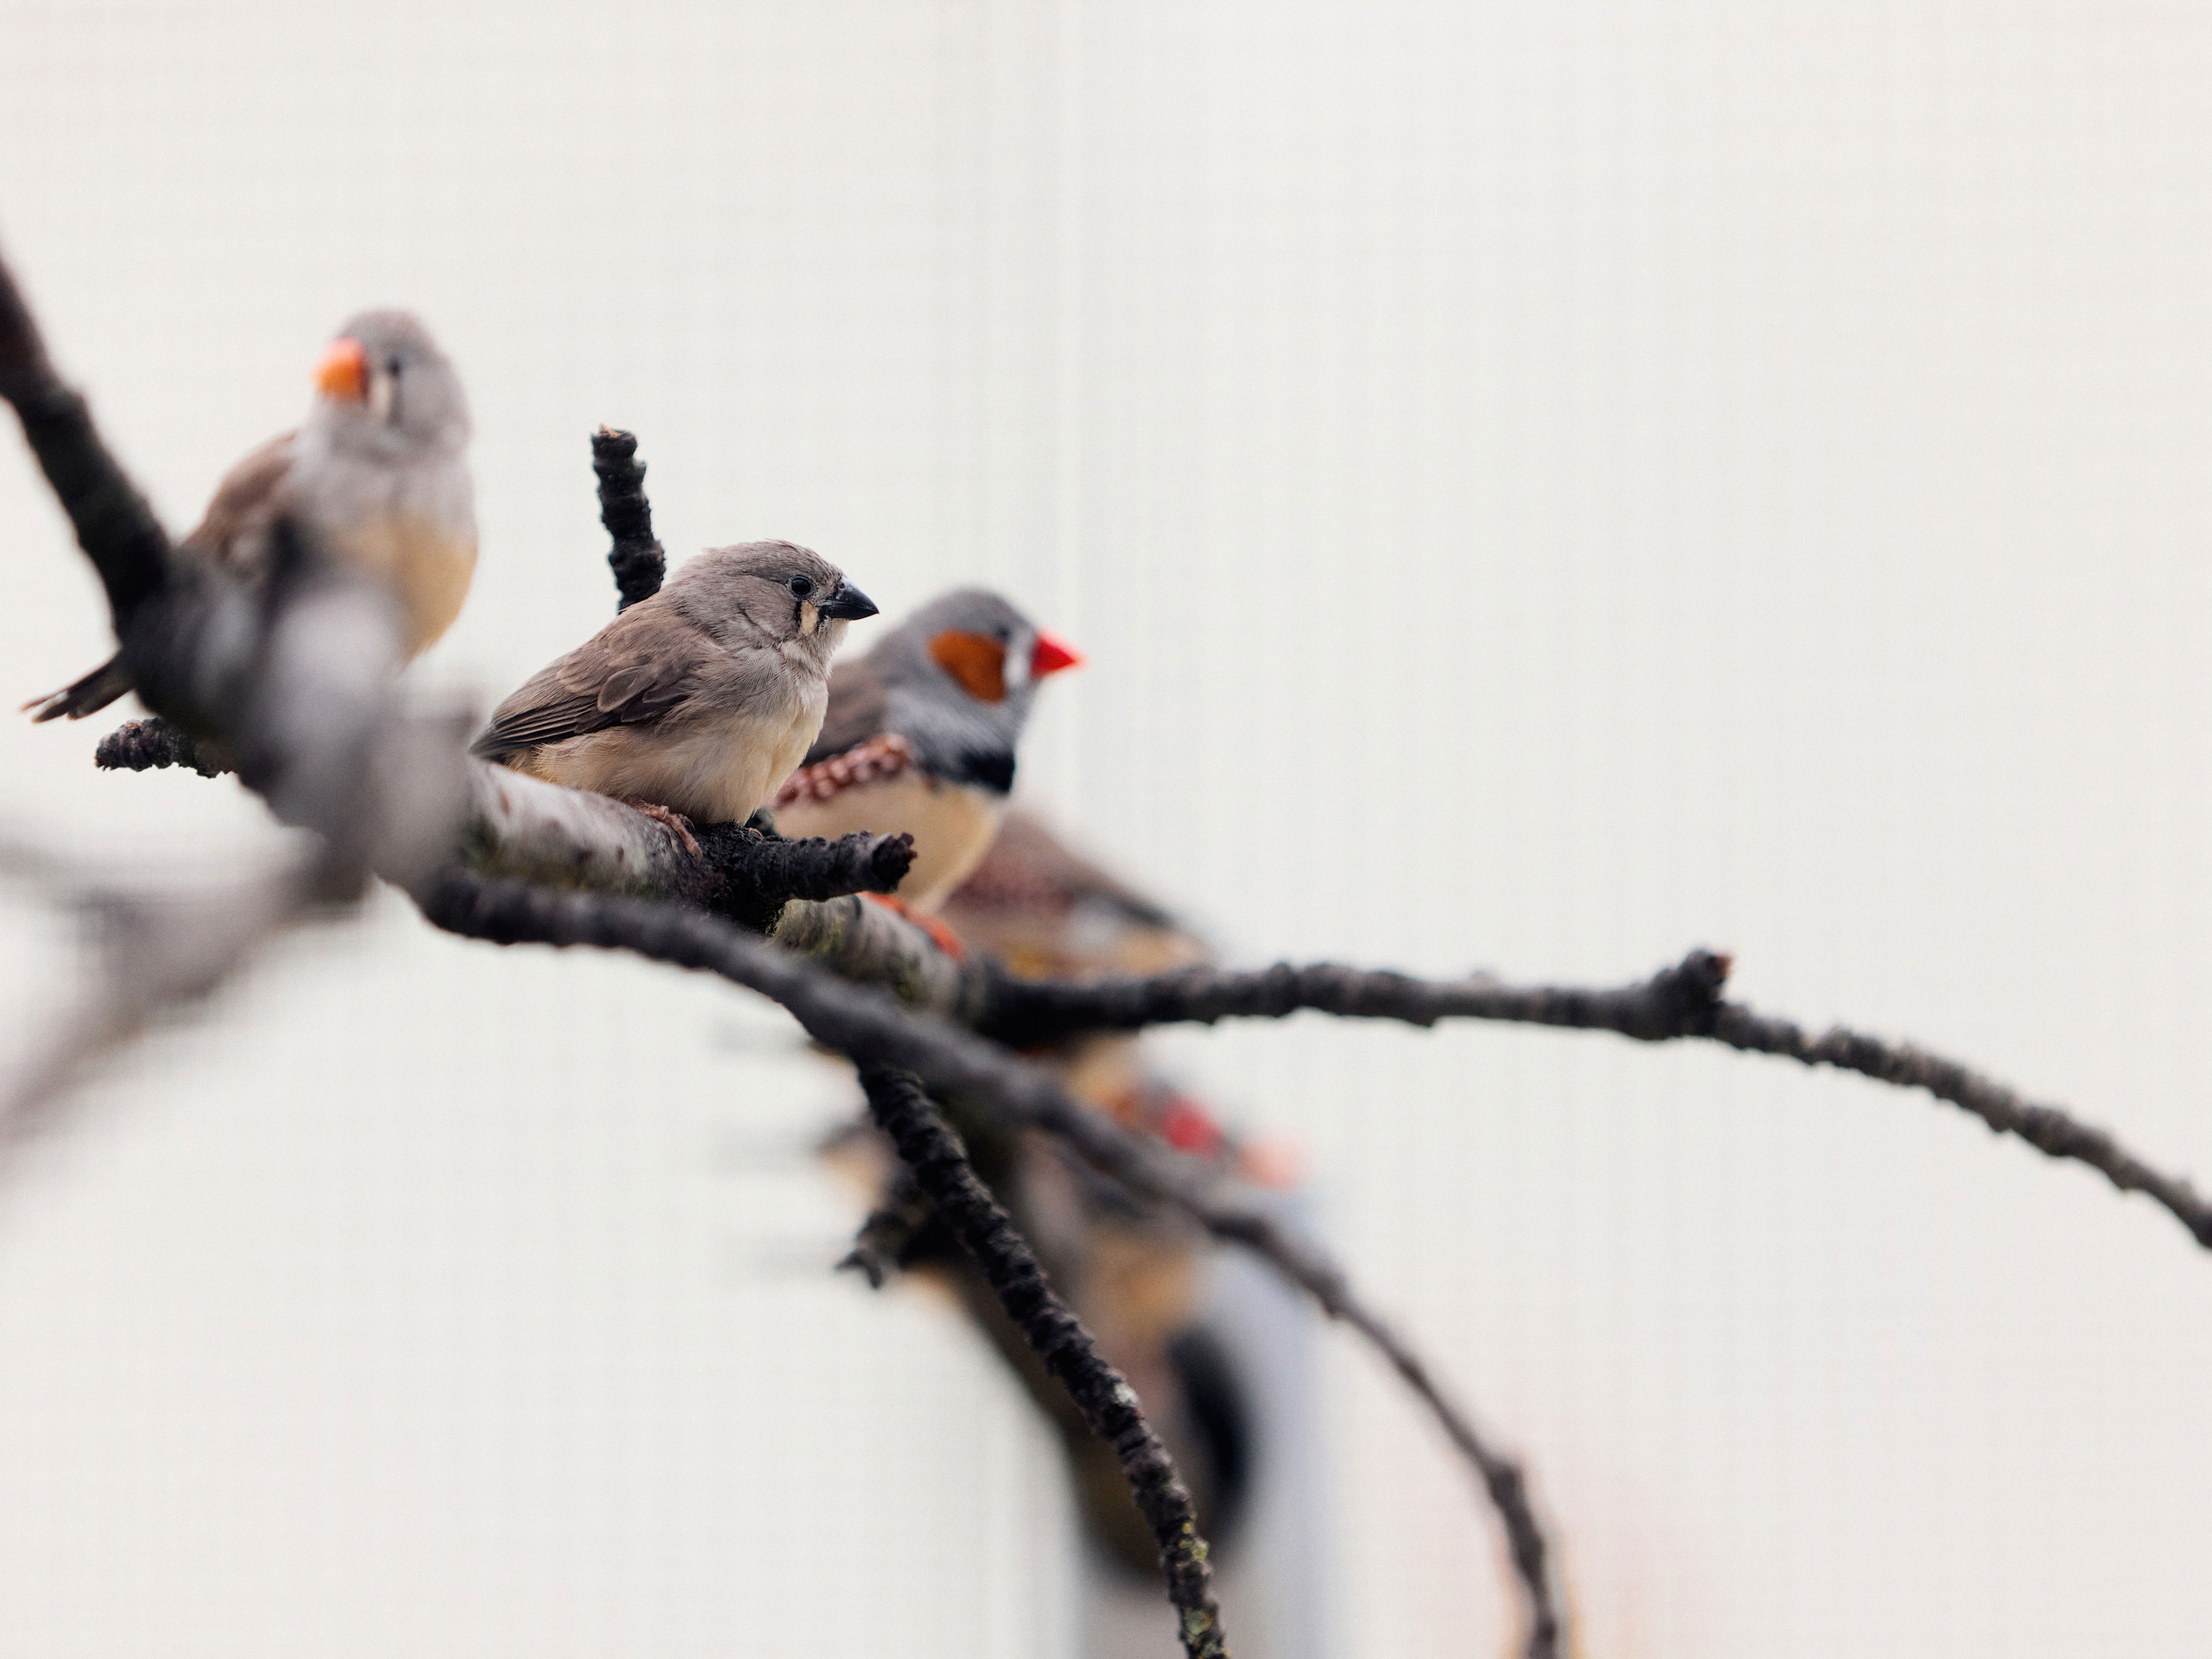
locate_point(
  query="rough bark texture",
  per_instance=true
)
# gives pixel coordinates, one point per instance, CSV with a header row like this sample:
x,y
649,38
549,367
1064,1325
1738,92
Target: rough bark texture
x,y
637,560
149,745
526,830
934,1155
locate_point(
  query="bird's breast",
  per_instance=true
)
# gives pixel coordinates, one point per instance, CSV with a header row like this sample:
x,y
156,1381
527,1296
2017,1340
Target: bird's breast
x,y
410,524
953,825
427,565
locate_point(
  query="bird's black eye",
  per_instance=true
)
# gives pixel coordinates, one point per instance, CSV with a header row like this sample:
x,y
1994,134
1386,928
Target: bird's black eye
x,y
393,366
801,586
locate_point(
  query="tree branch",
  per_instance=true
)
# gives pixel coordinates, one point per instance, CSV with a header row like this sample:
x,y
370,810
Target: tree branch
x,y
938,1164
875,1030
527,829
1683,1001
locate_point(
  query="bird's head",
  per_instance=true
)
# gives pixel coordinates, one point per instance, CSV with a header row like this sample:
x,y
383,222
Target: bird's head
x,y
775,592
969,662
383,387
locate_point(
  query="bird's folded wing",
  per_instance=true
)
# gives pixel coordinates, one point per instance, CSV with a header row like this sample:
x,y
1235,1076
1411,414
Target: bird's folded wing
x,y
877,760
859,702
235,530
643,666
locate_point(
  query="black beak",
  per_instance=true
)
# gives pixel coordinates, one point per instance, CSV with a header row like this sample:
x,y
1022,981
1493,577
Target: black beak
x,y
848,604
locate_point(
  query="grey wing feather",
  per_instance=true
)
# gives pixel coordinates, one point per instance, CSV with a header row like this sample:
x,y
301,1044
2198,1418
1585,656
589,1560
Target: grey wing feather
x,y
859,708
641,666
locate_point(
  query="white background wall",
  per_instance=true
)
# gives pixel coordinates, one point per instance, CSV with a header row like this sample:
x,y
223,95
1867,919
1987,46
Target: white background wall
x,y
1541,485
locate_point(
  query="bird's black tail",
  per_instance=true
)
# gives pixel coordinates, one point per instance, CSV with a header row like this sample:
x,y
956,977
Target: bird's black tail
x,y
87,696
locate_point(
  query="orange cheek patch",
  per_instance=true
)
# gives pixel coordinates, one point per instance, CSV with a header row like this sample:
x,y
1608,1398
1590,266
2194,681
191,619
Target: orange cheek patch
x,y
976,660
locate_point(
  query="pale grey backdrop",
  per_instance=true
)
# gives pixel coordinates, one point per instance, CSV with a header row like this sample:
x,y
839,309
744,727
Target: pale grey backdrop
x,y
1541,485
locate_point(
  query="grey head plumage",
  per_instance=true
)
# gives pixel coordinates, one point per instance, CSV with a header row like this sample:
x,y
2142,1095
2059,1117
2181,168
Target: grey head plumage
x,y
388,391
774,593
956,679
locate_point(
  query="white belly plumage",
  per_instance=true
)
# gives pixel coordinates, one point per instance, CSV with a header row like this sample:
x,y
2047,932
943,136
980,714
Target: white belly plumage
x,y
720,772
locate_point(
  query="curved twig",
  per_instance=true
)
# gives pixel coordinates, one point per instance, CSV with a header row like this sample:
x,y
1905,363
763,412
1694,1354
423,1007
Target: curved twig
x,y
1682,1001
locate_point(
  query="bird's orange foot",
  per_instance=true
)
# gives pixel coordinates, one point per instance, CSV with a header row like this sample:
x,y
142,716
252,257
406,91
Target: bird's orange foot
x,y
660,814
939,930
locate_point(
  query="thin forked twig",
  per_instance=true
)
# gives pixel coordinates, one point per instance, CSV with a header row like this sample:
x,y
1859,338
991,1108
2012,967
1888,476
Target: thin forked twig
x,y
933,1153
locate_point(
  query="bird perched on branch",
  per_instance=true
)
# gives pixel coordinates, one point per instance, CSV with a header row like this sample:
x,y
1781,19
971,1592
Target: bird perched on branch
x,y
695,704
377,477
921,736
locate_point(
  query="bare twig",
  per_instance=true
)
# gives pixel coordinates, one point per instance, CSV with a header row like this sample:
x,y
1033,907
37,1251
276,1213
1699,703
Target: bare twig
x,y
933,1153
761,875
637,560
875,1030
1682,1001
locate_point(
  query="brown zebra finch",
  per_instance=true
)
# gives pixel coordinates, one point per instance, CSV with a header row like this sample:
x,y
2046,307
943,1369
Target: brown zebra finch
x,y
695,703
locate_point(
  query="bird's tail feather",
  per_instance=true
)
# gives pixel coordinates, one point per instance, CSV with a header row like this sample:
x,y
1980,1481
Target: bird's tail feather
x,y
86,697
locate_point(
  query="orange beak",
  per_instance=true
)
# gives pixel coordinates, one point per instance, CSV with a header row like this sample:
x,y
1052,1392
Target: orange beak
x,y
342,374
1051,655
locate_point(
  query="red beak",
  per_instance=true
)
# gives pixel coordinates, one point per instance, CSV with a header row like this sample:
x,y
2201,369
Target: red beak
x,y
1051,655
